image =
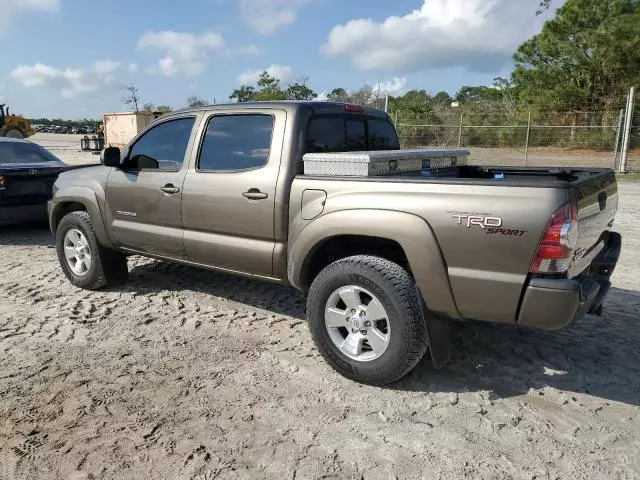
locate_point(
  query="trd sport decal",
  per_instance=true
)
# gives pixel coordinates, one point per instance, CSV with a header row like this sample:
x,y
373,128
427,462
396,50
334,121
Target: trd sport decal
x,y
489,224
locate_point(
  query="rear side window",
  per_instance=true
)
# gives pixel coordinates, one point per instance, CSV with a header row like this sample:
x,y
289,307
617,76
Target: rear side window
x,y
236,142
349,134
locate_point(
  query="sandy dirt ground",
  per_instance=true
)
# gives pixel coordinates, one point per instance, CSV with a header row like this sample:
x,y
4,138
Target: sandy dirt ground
x,y
188,374
66,147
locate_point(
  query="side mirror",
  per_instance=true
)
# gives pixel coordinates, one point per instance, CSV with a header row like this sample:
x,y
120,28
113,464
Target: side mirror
x,y
110,157
143,162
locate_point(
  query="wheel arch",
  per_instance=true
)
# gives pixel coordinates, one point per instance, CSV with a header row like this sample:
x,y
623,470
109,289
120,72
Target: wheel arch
x,y
397,236
73,199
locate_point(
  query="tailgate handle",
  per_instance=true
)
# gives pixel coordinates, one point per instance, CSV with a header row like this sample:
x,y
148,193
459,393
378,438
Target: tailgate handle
x,y
602,200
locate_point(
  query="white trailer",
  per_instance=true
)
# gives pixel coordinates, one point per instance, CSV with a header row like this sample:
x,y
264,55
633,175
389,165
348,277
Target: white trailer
x,y
120,128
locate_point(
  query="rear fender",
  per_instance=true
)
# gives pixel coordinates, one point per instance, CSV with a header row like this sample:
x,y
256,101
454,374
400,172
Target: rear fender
x,y
85,196
411,232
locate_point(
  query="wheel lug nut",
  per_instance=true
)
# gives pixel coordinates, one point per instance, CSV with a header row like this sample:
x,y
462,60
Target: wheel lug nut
x,y
362,314
353,311
367,323
364,332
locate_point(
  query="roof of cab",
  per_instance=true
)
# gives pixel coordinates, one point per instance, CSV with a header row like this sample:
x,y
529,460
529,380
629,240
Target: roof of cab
x,y
316,105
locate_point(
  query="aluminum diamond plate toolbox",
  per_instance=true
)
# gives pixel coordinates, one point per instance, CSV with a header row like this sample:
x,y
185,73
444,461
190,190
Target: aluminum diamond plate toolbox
x,y
385,162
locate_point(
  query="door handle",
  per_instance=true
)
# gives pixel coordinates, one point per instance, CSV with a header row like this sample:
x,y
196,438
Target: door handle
x,y
169,188
255,194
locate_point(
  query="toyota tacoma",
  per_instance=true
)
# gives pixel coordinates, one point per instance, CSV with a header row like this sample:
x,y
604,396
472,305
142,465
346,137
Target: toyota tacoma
x,y
386,262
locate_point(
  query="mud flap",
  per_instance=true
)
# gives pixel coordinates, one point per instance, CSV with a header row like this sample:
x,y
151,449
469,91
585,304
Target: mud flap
x,y
438,336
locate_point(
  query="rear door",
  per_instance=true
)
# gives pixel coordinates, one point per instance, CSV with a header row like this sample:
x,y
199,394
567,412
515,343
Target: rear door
x,y
229,195
144,204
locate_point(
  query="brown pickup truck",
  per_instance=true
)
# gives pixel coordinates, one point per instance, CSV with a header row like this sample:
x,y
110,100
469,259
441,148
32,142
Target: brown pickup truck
x,y
387,262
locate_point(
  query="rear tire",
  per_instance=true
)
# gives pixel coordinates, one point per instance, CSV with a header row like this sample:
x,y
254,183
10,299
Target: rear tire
x,y
85,262
393,295
14,133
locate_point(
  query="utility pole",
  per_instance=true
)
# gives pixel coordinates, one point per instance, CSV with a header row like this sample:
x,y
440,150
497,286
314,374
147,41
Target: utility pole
x,y
626,135
526,145
618,130
460,130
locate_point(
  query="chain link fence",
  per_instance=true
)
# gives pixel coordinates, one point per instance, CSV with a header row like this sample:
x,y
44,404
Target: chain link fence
x,y
633,162
499,135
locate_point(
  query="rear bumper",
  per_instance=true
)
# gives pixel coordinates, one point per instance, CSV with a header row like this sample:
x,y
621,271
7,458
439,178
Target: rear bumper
x,y
551,304
15,214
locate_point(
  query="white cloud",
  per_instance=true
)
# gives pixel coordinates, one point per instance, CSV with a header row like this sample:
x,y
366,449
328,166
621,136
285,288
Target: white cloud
x,y
394,87
184,53
268,16
12,8
70,81
480,35
133,68
105,67
252,50
250,77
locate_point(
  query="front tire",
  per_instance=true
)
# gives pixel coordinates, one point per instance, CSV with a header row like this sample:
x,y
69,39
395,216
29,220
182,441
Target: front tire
x,y
85,262
366,319
14,133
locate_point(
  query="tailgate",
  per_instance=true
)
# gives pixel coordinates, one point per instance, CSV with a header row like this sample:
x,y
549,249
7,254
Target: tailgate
x,y
597,201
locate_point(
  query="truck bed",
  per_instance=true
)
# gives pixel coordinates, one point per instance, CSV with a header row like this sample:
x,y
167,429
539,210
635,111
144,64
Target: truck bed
x,y
537,177
488,267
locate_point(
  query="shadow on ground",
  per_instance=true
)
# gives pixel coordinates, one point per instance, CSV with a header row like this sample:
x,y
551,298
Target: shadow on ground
x,y
599,356
27,234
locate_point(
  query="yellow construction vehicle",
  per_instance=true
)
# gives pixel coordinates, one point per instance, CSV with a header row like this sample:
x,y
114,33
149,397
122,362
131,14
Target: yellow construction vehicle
x,y
14,126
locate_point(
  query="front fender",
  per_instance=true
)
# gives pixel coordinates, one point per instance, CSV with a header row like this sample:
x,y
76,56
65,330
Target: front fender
x,y
411,232
86,197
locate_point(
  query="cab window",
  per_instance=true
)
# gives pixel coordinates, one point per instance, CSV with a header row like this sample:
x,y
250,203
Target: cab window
x,y
163,147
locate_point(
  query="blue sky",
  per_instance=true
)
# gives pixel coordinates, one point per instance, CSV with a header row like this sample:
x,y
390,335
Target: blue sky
x,y
72,58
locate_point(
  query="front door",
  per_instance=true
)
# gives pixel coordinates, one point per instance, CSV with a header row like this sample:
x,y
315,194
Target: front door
x,y
229,194
144,197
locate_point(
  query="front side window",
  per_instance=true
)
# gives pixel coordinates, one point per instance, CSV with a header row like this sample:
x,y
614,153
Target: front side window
x,y
163,147
236,142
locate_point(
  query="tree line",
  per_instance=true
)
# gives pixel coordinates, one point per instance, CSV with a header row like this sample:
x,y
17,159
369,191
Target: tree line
x,y
584,60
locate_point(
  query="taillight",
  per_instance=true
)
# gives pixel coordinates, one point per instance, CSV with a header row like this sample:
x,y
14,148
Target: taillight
x,y
2,181
558,242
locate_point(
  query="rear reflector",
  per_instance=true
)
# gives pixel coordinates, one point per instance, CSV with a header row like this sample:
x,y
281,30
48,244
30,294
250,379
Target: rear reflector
x,y
350,107
558,242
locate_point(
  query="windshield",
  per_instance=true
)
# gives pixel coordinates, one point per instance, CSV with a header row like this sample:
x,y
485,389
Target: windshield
x,y
18,152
